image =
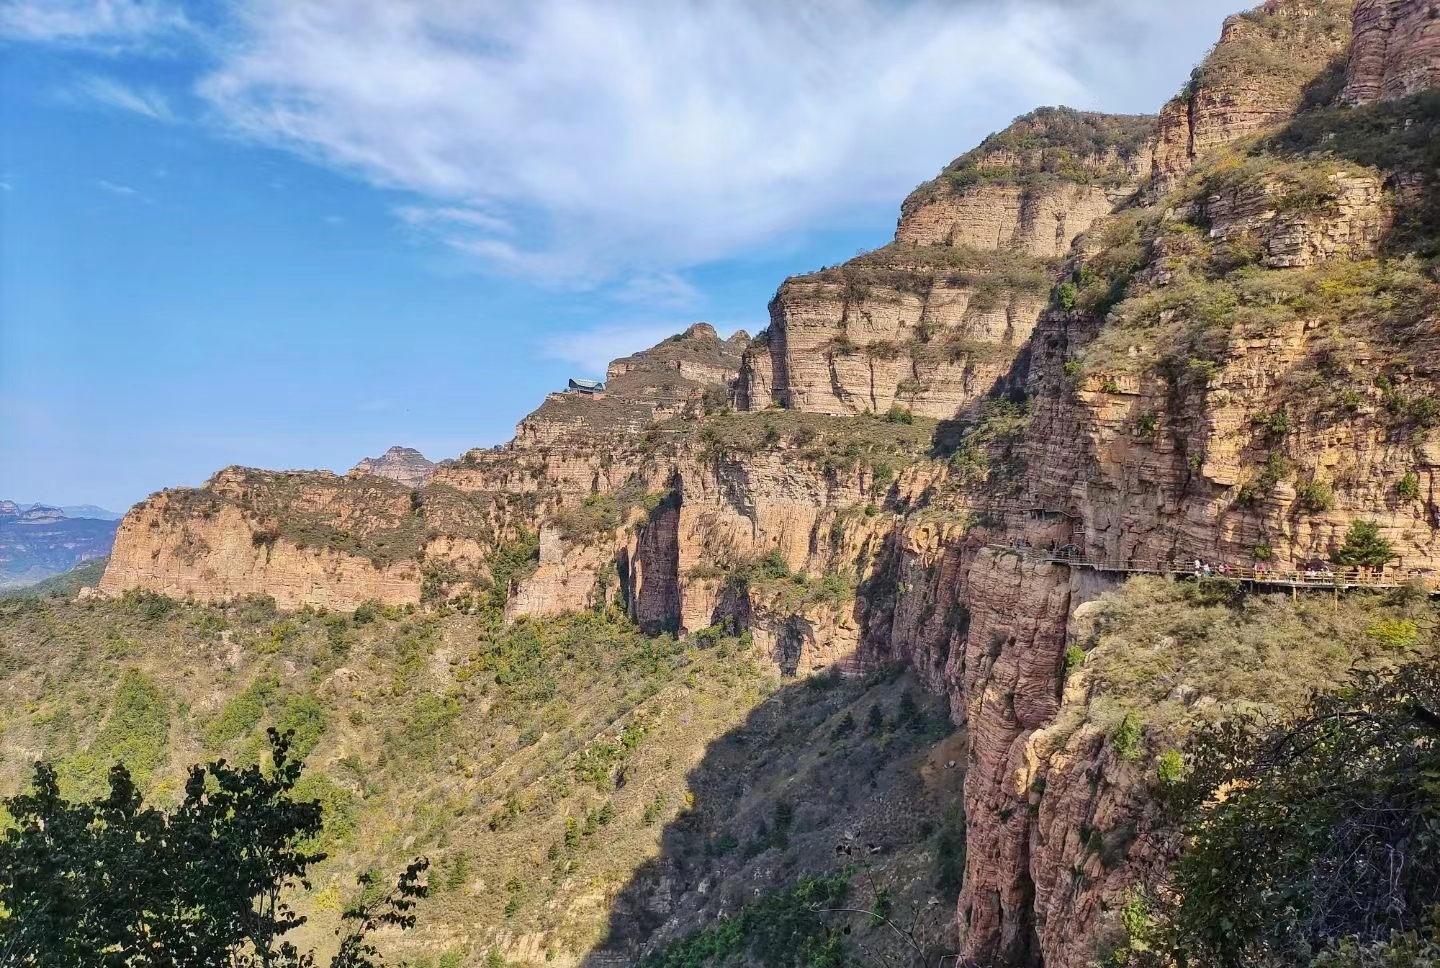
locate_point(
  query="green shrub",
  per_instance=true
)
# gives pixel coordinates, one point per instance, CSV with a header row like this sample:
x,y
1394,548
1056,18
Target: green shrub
x,y
1408,487
1264,552
136,733
1126,737
1315,497
1364,547
1067,296
1394,632
1074,658
1170,768
1300,849
1274,425
898,414
779,928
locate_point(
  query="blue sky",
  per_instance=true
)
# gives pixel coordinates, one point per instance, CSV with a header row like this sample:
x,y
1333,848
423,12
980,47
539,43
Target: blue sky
x,y
290,233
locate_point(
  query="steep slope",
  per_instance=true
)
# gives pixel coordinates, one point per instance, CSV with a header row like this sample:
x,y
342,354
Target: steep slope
x,y
1269,62
404,465
1396,52
933,320
547,769
1234,362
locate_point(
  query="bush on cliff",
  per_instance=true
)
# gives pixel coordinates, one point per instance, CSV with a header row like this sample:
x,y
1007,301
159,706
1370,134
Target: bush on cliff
x,y
1329,826
1364,547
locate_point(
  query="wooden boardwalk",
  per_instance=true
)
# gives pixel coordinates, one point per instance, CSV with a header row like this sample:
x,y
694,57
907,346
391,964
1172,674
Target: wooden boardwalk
x,y
1341,579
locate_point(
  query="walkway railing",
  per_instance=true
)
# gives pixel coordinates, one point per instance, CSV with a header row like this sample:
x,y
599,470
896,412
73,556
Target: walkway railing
x,y
1282,577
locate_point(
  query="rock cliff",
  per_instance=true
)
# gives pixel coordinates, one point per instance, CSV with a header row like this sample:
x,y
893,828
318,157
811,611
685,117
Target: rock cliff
x,y
1213,338
1267,62
1033,187
1396,52
405,465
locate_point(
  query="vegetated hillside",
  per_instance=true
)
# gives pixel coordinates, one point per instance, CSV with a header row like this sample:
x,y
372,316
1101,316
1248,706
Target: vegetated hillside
x,y
65,585
40,542
1077,351
545,768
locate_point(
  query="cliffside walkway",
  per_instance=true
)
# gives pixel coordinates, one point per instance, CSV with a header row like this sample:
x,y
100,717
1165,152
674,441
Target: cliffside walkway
x,y
1345,578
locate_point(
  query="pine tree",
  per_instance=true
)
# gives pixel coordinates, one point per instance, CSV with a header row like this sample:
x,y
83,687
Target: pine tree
x,y
1364,548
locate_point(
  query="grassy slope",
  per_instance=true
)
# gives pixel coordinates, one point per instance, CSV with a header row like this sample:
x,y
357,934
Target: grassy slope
x,y
62,586
1176,654
444,735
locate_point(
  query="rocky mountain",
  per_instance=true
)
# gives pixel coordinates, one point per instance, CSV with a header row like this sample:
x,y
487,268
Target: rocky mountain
x,y
1098,348
38,542
405,465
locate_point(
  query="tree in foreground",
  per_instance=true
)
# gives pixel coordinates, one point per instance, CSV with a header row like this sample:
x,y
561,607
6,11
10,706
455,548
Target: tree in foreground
x,y
1317,841
116,882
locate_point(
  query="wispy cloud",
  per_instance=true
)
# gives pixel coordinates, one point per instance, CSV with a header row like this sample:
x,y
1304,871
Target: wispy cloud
x,y
651,136
110,93
663,289
112,24
592,141
647,136
115,188
592,350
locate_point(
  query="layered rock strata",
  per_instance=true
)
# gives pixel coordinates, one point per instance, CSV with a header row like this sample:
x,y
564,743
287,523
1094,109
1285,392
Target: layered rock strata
x,y
1396,51
1259,72
1034,187
405,465
1225,370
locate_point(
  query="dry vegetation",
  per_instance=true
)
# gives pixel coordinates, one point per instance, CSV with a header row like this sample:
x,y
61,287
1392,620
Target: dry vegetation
x,y
541,767
1046,146
1171,654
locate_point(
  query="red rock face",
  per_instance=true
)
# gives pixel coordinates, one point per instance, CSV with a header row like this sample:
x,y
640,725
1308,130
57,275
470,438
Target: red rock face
x,y
1396,52
1255,77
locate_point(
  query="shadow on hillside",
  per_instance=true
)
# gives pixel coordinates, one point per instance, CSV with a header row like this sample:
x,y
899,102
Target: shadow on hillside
x,y
826,775
1400,137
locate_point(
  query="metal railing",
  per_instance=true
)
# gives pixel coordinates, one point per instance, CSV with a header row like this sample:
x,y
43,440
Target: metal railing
x,y
1258,574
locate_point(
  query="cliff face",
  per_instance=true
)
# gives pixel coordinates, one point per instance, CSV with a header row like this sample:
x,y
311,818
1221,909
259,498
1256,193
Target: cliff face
x,y
406,465
925,328
932,321
1237,358
1266,63
1396,52
301,538
1033,187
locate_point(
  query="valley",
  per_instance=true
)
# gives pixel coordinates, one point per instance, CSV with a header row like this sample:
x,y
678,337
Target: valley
x,y
773,644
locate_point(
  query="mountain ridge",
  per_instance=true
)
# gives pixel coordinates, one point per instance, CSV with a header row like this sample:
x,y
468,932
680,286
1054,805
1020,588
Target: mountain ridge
x,y
1213,340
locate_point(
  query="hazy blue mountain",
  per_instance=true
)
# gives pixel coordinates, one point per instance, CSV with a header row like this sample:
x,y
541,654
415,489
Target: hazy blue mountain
x,y
38,542
90,511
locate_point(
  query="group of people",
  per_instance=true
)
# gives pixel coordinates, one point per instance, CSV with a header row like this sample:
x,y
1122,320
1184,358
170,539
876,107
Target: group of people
x,y
1203,568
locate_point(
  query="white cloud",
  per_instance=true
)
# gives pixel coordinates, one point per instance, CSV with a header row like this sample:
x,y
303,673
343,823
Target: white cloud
x,y
108,92
89,23
589,141
662,289
115,188
592,350
660,134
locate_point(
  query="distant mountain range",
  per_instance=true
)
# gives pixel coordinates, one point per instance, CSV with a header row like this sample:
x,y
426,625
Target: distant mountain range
x,y
38,541
69,510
